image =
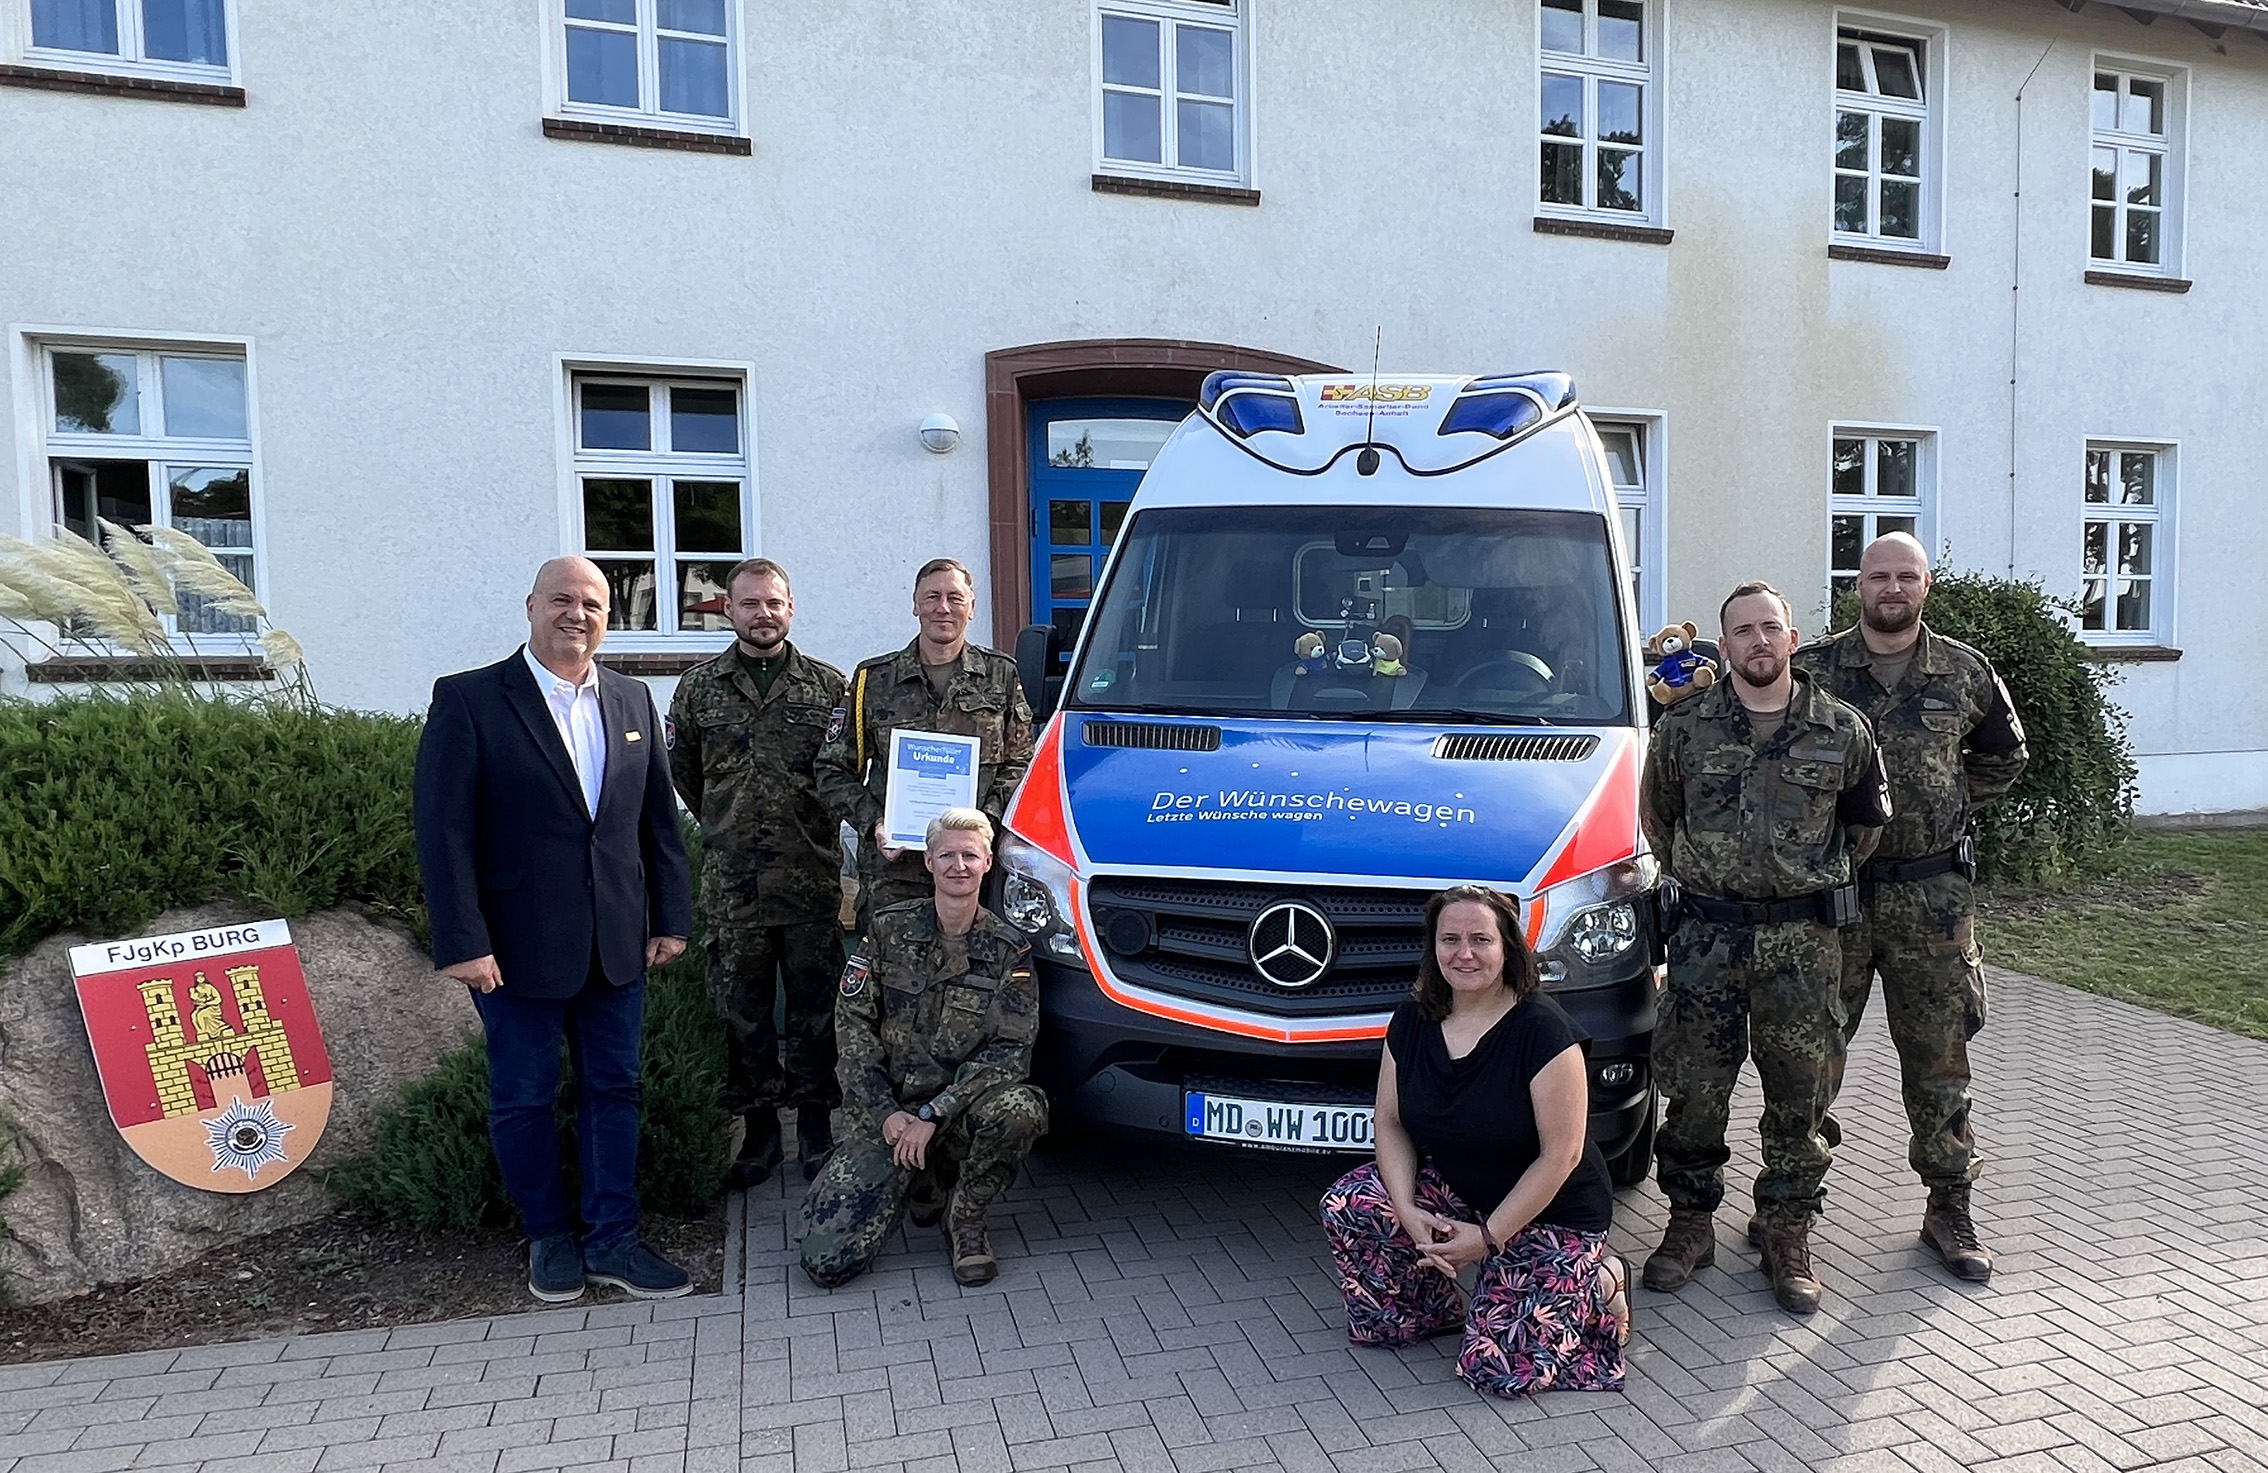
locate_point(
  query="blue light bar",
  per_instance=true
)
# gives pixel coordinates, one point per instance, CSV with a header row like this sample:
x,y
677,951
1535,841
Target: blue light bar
x,y
1555,390
1247,413
1502,415
1220,382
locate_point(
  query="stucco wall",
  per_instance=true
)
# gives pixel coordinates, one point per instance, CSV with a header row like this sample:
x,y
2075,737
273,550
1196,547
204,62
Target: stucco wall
x,y
409,255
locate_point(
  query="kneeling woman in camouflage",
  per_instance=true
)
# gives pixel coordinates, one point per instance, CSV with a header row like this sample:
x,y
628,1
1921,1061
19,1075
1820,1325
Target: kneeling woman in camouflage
x,y
933,1028
1484,1158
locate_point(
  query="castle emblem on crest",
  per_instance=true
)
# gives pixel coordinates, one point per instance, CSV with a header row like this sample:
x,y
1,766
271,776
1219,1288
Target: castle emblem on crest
x,y
222,1088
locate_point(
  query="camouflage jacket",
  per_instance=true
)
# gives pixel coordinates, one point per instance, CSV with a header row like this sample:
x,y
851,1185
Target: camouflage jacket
x,y
982,700
928,1018
1950,738
1760,815
771,852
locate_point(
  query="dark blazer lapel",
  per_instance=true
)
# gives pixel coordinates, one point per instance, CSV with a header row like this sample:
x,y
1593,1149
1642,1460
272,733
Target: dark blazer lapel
x,y
622,717
520,690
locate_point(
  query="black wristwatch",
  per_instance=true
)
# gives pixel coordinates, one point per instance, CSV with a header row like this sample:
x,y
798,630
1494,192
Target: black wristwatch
x,y
927,1115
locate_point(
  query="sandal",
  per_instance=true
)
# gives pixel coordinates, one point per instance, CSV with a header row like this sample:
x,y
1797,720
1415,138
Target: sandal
x,y
1614,1296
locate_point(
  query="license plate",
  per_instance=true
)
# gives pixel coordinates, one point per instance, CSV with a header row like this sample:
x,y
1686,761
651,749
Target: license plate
x,y
1275,1123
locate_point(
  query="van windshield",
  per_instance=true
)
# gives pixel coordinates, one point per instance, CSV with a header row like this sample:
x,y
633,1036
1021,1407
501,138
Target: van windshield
x,y
1420,613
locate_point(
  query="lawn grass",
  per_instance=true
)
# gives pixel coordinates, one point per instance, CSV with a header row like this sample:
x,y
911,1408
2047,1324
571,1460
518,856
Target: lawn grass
x,y
2181,927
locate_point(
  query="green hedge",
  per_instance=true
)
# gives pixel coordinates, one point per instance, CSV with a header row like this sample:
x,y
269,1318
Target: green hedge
x,y
114,810
2070,810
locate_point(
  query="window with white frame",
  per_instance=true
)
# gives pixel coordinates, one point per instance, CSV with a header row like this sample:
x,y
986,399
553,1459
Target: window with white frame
x,y
2134,164
662,495
1878,483
183,39
1633,464
1170,92
155,436
1598,106
2125,558
666,62
1884,138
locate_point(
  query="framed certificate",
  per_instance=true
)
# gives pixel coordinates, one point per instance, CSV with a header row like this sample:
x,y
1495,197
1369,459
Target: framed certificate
x,y
930,771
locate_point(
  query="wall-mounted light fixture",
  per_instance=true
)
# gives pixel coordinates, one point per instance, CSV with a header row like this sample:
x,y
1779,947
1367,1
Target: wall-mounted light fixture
x,y
939,434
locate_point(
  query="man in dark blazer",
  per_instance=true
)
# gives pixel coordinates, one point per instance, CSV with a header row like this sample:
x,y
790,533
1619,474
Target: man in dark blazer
x,y
556,878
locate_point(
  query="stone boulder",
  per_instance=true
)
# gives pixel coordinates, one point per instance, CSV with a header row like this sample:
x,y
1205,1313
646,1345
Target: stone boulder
x,y
89,1210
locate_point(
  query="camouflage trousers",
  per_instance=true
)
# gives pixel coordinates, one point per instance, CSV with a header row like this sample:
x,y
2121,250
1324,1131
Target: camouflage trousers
x,y
1737,991
1920,936
748,967
858,1196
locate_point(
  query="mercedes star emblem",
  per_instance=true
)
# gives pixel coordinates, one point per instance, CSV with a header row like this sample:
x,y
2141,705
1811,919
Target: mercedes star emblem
x,y
1292,944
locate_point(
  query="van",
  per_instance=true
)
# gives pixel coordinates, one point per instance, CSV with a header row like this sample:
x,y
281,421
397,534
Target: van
x,y
1359,639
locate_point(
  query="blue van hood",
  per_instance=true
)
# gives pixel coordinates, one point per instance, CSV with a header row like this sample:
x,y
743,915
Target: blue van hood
x,y
1321,798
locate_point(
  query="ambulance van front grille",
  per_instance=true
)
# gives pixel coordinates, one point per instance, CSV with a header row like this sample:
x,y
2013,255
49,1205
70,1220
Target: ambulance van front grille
x,y
1156,735
1194,937
1514,748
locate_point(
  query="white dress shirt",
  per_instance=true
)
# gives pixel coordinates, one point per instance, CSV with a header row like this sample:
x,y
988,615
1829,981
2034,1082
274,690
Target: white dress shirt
x,y
575,711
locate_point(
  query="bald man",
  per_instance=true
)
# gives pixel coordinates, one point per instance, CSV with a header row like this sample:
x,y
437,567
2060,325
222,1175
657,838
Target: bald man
x,y
1952,743
556,878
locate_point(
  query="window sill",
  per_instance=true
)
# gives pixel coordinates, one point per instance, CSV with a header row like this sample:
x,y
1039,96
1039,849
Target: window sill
x,y
1603,230
656,663
1220,194
2133,654
104,84
579,130
2135,281
1879,256
102,669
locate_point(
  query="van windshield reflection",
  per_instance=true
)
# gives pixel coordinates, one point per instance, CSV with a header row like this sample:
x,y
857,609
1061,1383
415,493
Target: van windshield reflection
x,y
1448,614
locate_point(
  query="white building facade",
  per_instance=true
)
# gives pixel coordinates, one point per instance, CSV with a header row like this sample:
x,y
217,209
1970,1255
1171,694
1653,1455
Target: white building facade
x,y
386,311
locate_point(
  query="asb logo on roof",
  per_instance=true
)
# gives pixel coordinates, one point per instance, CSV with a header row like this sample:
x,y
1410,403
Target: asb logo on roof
x,y
1377,393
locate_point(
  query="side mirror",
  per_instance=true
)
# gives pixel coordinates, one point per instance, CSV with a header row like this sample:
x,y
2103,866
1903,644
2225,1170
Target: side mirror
x,y
1039,665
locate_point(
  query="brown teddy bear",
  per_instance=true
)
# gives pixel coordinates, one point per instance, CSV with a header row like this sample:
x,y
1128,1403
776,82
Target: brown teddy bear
x,y
1677,671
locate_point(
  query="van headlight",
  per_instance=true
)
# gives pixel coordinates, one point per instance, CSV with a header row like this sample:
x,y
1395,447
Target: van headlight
x,y
1594,919
1035,897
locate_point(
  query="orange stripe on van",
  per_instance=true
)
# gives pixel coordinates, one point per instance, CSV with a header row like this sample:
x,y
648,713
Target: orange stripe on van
x,y
1037,814
1606,830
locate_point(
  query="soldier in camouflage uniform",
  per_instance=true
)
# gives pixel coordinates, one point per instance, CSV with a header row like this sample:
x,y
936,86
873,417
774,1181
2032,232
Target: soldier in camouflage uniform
x,y
936,1016
1952,743
942,683
1761,796
745,732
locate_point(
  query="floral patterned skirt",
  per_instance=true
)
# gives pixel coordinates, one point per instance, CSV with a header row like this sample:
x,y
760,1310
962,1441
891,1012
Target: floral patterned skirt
x,y
1537,1322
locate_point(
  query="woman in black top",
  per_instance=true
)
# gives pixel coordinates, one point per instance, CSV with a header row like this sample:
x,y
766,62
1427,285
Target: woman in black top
x,y
1483,1100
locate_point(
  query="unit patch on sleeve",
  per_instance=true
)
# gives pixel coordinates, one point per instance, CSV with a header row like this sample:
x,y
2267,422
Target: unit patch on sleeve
x,y
835,720
854,976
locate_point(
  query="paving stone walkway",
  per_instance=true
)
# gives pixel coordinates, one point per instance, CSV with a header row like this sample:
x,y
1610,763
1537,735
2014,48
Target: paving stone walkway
x,y
1173,1312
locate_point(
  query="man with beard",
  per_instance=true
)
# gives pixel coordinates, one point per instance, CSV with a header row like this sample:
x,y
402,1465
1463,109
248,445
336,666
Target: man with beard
x,y
745,733
1952,744
1761,796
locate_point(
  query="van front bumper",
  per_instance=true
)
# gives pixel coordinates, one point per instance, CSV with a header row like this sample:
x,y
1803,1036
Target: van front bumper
x,y
1108,1066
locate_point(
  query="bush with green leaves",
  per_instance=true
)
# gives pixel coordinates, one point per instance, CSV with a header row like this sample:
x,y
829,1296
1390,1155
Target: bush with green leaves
x,y
118,809
2070,810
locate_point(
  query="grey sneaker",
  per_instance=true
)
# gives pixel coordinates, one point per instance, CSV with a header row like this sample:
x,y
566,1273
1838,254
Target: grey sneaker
x,y
637,1270
555,1269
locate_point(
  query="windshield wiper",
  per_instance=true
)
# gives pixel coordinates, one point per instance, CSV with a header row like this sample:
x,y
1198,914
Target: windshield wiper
x,y
1443,717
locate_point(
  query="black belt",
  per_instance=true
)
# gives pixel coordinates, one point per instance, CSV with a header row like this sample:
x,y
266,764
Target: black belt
x,y
1837,907
1896,871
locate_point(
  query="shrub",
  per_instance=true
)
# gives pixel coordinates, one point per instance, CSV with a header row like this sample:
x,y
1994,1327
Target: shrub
x,y
431,1168
2069,811
119,809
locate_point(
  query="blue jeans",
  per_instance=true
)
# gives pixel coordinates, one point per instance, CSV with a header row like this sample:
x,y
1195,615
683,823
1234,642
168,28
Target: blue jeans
x,y
602,1025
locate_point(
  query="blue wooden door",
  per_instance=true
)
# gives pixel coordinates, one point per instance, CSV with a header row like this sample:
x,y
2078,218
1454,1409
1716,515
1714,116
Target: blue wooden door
x,y
1087,456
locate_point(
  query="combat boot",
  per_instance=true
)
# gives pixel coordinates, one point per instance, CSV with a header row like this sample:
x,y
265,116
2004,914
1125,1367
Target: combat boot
x,y
1787,1258
1946,1229
814,1137
967,1229
1690,1243
759,1149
